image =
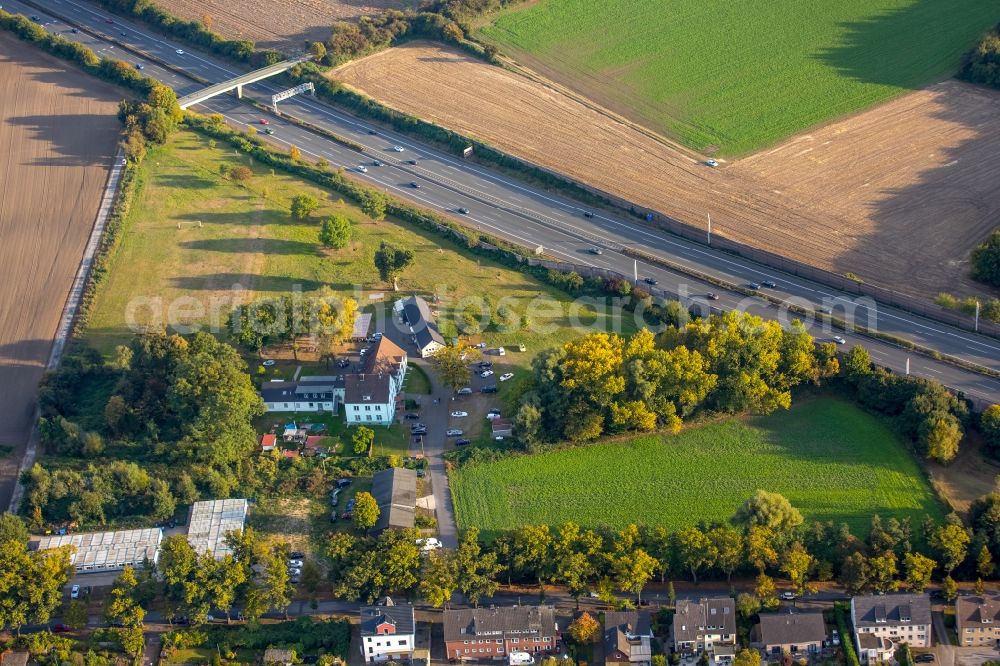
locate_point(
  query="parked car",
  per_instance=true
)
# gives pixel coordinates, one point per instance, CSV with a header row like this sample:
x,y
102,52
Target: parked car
x,y
507,375
61,629
411,416
418,426
493,412
492,388
459,415
429,544
455,432
74,592
419,431
501,351
485,364
350,504
463,442
464,391
295,564
343,483
485,373
926,658
294,571
788,596
296,554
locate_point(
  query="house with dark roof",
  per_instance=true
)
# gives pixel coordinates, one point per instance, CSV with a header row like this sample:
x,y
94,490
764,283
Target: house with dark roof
x,y
387,632
372,396
477,634
792,633
308,394
395,492
416,314
627,637
977,620
706,625
882,622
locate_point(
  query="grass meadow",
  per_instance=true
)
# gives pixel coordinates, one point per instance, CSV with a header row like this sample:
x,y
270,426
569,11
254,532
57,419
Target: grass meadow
x,y
232,234
740,75
831,459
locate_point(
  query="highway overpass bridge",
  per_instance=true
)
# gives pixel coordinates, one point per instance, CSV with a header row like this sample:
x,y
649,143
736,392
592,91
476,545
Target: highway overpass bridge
x,y
238,82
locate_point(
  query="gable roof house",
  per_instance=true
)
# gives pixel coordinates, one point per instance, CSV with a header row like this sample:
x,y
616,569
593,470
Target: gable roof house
x,y
789,633
308,394
372,396
627,638
425,334
474,634
882,622
395,492
977,620
706,625
387,632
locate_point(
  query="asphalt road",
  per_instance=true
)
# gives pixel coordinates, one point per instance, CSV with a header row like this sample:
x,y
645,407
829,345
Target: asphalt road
x,y
527,215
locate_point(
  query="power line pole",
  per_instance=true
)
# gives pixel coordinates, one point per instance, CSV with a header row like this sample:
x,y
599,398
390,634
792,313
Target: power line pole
x,y
709,228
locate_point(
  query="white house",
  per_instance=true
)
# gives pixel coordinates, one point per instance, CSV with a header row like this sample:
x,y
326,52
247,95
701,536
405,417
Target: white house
x,y
706,625
424,333
371,396
308,394
387,632
882,622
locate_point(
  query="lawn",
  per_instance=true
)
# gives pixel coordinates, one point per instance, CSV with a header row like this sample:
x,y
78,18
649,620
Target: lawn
x,y
242,236
739,74
831,459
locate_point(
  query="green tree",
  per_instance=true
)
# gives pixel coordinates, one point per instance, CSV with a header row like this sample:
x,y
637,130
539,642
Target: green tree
x,y
12,528
363,439
302,206
374,205
391,262
132,640
919,569
989,424
796,563
694,550
883,573
951,542
747,657
986,260
857,363
949,588
633,570
747,605
451,364
335,232
317,50
275,589
766,591
312,577
942,437
770,510
366,511
728,548
760,547
439,578
121,606
75,615
532,551
855,573
399,558
984,562
476,571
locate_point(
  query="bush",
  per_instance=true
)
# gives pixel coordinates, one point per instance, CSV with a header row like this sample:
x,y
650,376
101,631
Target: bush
x,y
986,257
982,63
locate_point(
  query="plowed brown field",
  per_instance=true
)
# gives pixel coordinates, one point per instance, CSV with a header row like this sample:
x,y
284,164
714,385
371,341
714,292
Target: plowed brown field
x,y
897,195
57,133
278,23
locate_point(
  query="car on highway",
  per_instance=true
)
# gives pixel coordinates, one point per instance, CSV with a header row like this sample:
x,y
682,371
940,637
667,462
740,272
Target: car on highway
x,y
74,592
485,373
455,432
264,121
492,388
123,34
712,296
770,284
362,168
179,51
711,163
109,21
650,280
596,250
268,131
372,132
411,162
588,214
398,149
507,375
753,285
377,163
459,415
138,66
839,340
463,211
35,18
463,442
414,184
74,30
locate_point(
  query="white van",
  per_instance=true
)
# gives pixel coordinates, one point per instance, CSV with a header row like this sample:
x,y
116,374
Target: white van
x,y
501,351
521,659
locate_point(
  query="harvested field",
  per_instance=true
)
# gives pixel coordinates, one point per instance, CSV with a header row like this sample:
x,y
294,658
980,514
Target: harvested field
x,y
58,135
279,23
895,160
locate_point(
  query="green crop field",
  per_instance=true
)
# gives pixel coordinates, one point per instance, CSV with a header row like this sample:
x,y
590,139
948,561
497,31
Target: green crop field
x,y
742,74
832,460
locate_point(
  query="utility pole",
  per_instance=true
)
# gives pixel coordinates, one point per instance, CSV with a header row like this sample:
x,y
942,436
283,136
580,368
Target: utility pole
x,y
977,316
635,270
907,365
709,228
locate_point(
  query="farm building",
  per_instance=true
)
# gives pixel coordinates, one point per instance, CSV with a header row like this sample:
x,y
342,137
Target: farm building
x,y
211,520
108,551
395,492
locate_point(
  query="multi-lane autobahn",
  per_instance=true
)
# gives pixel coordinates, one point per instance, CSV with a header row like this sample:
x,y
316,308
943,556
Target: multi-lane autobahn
x,y
518,211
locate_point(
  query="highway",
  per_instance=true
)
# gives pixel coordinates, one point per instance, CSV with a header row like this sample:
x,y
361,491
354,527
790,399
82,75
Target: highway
x,y
525,214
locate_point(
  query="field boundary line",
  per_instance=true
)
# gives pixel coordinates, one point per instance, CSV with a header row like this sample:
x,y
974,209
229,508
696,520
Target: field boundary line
x,y
70,309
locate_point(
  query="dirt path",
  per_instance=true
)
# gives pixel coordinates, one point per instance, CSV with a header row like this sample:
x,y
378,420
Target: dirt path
x,y
58,136
897,195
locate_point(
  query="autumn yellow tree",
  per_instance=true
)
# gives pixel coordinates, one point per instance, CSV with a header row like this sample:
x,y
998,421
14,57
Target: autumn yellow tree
x,y
584,629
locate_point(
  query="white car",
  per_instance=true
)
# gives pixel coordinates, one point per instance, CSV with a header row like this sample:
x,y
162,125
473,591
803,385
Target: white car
x,y
428,544
74,592
295,563
501,351
507,375
268,363
455,432
294,572
485,373
839,340
789,596
398,149
712,163
459,415
362,168
180,51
